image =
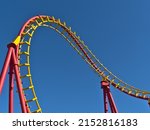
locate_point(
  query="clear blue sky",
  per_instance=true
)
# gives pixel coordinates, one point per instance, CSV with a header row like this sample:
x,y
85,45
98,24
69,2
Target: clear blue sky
x,y
117,32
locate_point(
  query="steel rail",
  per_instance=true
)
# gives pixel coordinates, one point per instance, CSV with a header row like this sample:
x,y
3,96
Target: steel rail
x,y
25,36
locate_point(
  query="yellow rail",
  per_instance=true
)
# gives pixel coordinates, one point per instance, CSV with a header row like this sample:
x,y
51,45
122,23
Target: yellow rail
x,y
24,41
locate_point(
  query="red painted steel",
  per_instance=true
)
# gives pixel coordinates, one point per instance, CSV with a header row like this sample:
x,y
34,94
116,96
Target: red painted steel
x,y
108,96
105,101
18,81
11,62
112,103
11,88
23,28
5,68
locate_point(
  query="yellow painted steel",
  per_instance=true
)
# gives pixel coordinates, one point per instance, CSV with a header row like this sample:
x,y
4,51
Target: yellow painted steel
x,y
70,36
17,40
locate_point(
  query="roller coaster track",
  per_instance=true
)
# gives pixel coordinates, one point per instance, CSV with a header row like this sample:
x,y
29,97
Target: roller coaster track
x,y
23,43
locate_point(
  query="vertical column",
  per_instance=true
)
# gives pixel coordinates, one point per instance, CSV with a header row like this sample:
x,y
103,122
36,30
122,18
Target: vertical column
x,y
107,95
11,88
104,85
18,81
105,100
12,62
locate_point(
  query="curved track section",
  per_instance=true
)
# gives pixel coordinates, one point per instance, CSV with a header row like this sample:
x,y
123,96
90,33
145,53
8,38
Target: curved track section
x,y
25,35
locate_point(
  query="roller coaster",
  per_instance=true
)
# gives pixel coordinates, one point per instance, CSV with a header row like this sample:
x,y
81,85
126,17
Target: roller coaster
x,y
17,62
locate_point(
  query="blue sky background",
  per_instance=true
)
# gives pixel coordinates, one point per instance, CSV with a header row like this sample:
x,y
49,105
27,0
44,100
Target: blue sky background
x,y
117,32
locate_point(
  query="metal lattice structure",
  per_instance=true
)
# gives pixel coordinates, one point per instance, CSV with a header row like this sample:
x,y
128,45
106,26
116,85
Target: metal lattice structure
x,y
18,63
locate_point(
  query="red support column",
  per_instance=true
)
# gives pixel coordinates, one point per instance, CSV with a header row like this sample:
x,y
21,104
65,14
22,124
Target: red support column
x,y
112,103
105,101
5,68
108,96
19,84
11,88
12,62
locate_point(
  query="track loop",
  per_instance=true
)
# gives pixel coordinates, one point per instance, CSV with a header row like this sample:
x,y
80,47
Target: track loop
x,y
26,34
